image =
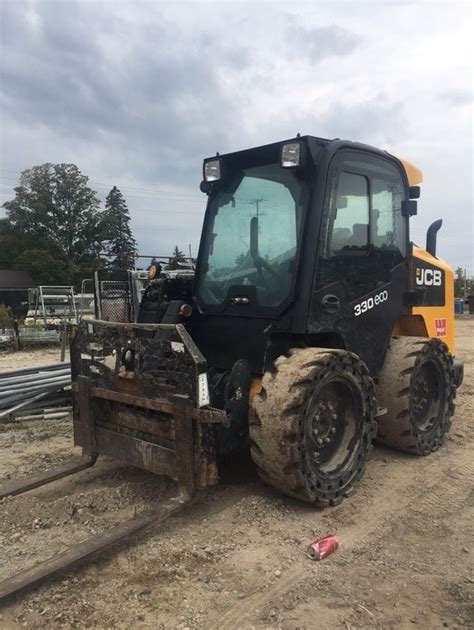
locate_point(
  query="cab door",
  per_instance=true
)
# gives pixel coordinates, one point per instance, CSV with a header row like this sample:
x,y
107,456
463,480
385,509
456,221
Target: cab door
x,y
361,268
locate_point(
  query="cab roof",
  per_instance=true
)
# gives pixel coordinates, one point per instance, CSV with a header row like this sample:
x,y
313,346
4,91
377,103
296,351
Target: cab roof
x,y
315,144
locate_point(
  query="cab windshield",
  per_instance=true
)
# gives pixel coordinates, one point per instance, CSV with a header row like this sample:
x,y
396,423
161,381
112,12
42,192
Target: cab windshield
x,y
252,238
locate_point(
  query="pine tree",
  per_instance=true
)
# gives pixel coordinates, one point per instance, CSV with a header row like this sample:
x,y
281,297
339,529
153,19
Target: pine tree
x,y
178,254
122,248
176,258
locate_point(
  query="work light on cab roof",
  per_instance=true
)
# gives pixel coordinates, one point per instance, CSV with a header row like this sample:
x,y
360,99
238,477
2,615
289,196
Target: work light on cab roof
x,y
212,170
290,154
290,157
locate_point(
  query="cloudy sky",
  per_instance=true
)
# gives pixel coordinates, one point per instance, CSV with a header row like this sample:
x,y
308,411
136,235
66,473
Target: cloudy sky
x,y
137,93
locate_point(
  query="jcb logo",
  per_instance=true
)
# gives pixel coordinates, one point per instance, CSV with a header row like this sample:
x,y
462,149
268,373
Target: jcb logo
x,y
428,277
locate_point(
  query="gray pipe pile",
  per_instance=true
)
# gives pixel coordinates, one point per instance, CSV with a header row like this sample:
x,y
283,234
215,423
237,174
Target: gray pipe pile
x,y
35,393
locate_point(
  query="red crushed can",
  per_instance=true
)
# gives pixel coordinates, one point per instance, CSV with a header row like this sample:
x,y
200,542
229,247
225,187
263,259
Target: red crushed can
x,y
323,547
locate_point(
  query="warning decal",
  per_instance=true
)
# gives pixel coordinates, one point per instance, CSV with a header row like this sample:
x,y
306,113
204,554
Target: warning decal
x,y
440,325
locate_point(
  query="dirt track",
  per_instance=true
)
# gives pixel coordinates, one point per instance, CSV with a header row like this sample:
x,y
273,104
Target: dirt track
x,y
236,558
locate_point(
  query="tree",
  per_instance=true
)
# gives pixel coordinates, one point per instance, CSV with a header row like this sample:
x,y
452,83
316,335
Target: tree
x,y
54,206
43,266
178,254
12,243
122,247
176,258
459,282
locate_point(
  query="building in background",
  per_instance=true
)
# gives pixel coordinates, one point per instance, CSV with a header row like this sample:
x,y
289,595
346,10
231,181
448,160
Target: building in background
x,y
14,287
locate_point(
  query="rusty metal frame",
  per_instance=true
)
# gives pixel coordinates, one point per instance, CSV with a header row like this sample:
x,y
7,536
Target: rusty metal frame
x,y
147,339
191,465
159,393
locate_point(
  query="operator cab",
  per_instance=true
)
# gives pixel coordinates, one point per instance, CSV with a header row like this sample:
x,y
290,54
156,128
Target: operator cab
x,y
300,237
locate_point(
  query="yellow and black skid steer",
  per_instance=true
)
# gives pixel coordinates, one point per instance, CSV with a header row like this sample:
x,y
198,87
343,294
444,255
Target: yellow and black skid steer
x,y
312,326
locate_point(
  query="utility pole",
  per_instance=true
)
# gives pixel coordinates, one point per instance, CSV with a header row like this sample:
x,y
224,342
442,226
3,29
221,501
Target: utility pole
x,y
256,203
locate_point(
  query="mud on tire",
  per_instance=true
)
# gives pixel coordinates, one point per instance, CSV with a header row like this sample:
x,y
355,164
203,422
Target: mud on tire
x,y
312,425
417,387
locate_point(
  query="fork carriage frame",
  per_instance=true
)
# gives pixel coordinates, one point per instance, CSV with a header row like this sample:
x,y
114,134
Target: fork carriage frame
x,y
136,414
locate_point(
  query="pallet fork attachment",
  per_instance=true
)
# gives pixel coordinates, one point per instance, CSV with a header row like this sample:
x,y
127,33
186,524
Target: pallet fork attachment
x,y
81,552
59,563
24,485
88,459
140,419
183,416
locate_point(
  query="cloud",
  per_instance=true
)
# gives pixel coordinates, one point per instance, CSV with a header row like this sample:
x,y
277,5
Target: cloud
x,y
319,43
138,93
377,121
152,101
459,97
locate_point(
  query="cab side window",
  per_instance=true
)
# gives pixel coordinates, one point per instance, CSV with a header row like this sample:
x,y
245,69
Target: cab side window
x,y
387,224
350,228
365,234
365,209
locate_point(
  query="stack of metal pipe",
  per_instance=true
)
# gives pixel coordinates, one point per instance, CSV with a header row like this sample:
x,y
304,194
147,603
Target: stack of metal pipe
x,y
36,393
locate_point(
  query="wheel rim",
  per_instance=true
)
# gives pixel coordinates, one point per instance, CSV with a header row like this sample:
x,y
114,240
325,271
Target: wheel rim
x,y
428,397
331,425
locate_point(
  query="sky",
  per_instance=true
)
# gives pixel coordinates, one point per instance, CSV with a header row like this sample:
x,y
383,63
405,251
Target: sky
x,y
138,93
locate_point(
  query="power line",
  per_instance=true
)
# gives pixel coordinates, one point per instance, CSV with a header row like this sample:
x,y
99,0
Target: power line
x,y
156,212
140,189
177,212
145,197
146,191
151,191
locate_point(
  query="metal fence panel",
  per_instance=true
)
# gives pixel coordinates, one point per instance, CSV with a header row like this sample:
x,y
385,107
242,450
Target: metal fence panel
x,y
114,300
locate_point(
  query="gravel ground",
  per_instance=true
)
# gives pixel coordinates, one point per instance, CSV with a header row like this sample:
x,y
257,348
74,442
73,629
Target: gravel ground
x,y
28,358
236,557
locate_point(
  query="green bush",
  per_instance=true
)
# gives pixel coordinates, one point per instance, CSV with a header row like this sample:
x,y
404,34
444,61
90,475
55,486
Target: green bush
x,y
6,317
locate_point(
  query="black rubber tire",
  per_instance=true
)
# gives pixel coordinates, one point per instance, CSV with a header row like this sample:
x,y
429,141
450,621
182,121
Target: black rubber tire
x,y
417,387
296,405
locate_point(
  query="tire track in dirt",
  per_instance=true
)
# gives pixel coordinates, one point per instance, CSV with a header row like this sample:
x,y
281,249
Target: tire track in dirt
x,y
405,555
401,489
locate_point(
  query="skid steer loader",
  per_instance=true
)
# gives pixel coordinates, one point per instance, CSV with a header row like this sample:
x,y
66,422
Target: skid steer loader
x,y
312,326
